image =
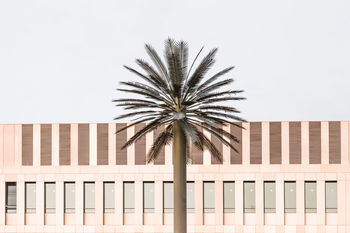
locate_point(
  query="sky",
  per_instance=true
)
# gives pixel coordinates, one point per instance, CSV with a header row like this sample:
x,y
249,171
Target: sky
x,y
61,61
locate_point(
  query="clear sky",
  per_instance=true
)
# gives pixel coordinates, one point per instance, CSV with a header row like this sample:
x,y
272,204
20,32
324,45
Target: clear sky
x,y
61,61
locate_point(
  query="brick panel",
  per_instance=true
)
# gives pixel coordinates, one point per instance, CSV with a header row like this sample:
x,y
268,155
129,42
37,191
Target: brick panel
x,y
315,142
121,138
255,143
45,144
294,142
334,142
275,143
102,144
83,144
27,145
236,157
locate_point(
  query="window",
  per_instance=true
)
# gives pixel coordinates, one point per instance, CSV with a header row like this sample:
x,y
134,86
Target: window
x,y
11,197
290,197
269,197
50,198
69,197
331,197
190,197
229,197
129,197
310,197
209,197
89,197
168,199
108,199
148,197
30,197
249,197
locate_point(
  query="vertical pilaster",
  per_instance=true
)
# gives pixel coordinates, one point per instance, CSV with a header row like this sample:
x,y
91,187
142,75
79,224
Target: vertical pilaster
x,y
198,186
93,144
36,145
40,199
346,211
111,144
20,200
259,200
279,202
246,144
59,203
265,143
99,202
130,149
219,204
79,202
2,203
239,200
18,145
305,142
345,142
300,211
119,202
285,142
139,202
324,142
226,150
158,201
321,200
343,202
55,145
74,144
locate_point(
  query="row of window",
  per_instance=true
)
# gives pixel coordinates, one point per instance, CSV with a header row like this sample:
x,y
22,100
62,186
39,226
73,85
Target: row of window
x,y
168,195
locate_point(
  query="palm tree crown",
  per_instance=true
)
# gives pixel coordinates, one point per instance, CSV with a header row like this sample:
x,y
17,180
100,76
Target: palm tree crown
x,y
173,92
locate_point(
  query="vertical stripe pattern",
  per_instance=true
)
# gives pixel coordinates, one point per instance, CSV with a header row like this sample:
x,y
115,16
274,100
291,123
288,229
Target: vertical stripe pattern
x,y
315,142
236,157
83,144
140,147
45,144
334,142
255,143
121,154
295,142
64,144
275,143
161,156
102,144
27,145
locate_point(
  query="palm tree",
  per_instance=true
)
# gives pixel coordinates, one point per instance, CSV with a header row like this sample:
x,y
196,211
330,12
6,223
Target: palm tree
x,y
184,102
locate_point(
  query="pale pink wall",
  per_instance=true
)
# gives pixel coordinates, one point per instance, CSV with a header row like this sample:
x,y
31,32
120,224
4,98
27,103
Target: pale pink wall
x,y
11,170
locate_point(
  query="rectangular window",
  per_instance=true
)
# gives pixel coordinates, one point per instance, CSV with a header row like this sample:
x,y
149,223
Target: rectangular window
x,y
129,197
209,197
69,197
249,197
310,197
290,197
190,197
30,197
229,197
269,197
11,197
89,197
168,198
50,198
109,197
148,197
331,197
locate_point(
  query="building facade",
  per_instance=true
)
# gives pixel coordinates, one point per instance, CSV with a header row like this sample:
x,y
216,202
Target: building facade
x,y
290,177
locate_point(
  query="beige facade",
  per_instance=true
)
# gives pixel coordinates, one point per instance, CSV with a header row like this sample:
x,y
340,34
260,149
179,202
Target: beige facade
x,y
42,160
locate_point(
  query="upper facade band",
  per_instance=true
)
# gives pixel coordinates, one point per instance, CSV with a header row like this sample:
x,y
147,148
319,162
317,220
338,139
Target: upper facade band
x,y
266,143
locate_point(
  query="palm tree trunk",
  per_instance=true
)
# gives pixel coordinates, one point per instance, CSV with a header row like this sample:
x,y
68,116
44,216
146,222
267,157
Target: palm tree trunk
x,y
179,160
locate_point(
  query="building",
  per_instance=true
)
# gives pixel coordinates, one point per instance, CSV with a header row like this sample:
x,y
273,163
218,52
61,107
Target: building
x,y
288,177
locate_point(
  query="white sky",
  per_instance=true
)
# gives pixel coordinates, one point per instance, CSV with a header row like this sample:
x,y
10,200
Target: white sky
x,y
61,61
